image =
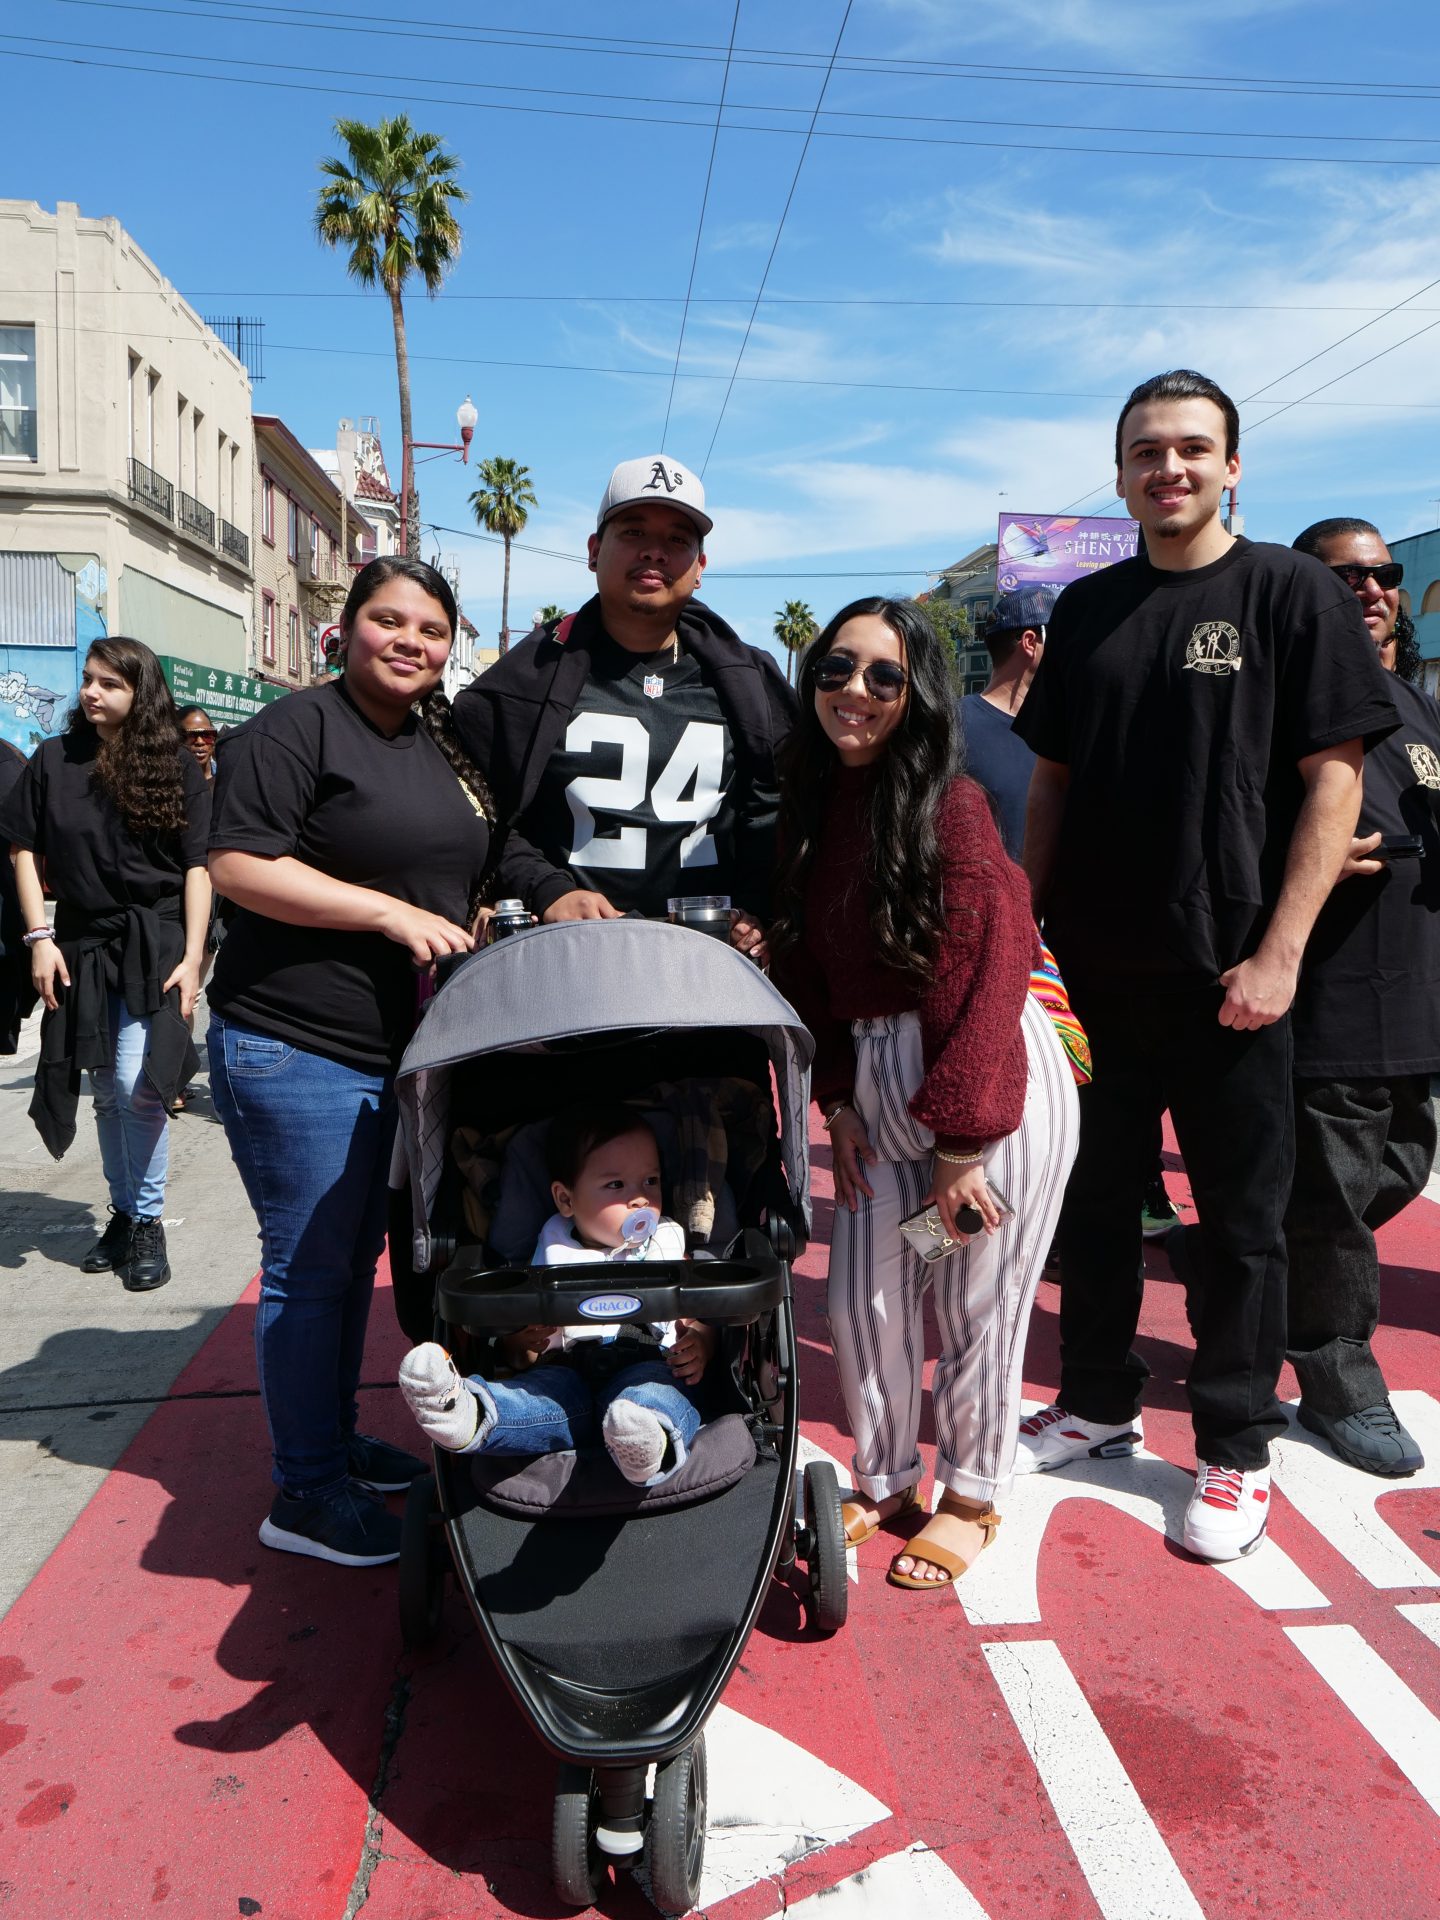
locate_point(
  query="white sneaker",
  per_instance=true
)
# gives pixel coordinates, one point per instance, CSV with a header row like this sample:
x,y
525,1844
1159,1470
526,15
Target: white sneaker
x,y
1228,1512
1053,1438
444,1408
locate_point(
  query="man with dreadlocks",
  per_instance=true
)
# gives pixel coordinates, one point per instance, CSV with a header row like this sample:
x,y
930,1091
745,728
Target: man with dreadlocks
x,y
1367,1039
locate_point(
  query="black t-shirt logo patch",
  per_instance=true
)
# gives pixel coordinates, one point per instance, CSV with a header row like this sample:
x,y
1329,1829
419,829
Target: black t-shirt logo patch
x,y
1426,763
1214,648
653,685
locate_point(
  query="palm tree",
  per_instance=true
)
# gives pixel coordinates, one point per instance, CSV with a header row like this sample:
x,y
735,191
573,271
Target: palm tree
x,y
501,505
391,200
549,613
794,628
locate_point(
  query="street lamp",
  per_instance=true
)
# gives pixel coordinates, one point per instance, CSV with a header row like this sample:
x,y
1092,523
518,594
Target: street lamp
x,y
466,416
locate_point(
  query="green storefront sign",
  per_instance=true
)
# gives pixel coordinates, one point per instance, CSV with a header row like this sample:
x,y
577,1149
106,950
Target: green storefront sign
x,y
228,698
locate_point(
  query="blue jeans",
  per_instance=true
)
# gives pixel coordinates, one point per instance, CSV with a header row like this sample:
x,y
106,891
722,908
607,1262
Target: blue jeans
x,y
311,1139
131,1121
552,1409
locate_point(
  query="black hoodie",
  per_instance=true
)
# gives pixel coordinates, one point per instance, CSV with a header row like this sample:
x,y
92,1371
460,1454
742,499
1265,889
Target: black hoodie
x,y
514,722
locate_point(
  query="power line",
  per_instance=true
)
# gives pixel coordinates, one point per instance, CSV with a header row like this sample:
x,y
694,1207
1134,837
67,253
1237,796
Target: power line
x,y
312,20
739,106
774,245
699,230
76,59
715,573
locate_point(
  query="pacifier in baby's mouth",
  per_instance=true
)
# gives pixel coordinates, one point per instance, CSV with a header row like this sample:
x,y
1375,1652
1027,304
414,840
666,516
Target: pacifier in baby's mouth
x,y
638,1225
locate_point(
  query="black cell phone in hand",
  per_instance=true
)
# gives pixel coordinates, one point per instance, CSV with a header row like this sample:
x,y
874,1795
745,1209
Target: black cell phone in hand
x,y
1399,846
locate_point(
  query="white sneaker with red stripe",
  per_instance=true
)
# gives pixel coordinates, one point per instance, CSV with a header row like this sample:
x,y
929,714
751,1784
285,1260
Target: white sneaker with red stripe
x,y
1053,1438
1228,1512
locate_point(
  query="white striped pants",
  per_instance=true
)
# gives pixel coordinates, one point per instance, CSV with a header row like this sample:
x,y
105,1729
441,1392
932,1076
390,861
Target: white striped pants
x,y
983,1291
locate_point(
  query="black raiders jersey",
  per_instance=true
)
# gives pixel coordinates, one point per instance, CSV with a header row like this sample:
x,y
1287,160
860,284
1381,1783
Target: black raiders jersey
x,y
637,801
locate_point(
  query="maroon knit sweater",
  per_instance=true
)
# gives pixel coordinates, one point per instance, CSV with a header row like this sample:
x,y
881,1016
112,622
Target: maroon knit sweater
x,y
975,1069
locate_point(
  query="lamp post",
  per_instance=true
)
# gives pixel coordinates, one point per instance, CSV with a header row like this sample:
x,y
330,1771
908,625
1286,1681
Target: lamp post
x,y
465,418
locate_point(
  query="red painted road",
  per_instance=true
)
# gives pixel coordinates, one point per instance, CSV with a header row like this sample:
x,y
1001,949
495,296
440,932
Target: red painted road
x,y
192,1726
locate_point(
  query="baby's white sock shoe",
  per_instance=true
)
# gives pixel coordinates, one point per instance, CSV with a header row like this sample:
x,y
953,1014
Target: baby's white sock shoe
x,y
635,1439
444,1408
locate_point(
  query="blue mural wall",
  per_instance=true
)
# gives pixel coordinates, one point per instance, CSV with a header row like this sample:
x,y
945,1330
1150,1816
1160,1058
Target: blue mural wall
x,y
57,601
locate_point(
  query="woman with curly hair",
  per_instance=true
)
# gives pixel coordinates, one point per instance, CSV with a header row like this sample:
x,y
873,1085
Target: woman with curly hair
x,y
352,835
113,816
904,935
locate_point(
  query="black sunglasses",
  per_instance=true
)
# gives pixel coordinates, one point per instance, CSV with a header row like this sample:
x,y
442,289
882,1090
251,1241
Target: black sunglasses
x,y
200,733
1389,574
884,680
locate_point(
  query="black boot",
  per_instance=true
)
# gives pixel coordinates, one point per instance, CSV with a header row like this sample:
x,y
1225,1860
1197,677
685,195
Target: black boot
x,y
113,1246
146,1266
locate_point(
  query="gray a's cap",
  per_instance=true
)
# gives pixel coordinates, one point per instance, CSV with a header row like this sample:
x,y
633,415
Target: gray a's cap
x,y
655,481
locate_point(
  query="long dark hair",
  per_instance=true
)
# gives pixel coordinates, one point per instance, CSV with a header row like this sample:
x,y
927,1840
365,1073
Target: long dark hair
x,y
434,708
139,768
902,856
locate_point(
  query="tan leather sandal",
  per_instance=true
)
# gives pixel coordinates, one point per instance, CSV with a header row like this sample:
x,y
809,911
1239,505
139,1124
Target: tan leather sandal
x,y
934,1555
857,1528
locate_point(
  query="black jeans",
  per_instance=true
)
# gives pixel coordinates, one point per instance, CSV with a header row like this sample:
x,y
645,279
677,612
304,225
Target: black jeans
x,y
1363,1150
1229,1095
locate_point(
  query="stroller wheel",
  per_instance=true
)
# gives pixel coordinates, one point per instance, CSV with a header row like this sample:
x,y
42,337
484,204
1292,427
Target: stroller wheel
x,y
676,1845
576,1862
829,1600
423,1564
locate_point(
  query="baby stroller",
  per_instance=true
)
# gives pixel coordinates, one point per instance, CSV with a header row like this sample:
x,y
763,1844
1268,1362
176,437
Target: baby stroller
x,y
616,1614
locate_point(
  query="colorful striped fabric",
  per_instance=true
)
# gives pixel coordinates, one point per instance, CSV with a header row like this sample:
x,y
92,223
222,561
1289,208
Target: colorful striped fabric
x,y
1049,989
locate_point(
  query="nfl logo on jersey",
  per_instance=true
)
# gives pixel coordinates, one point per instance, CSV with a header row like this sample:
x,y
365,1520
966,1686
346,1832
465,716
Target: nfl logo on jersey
x,y
654,686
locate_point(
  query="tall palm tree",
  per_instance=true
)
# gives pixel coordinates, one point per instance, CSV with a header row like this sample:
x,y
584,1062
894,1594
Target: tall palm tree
x,y
795,628
551,612
502,505
391,200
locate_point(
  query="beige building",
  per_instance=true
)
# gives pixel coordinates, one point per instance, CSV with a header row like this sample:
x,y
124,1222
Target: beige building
x,y
125,465
307,541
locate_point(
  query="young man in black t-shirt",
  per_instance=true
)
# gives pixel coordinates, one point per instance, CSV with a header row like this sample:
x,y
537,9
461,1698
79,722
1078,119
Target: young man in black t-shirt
x,y
1367,1039
631,747
1199,720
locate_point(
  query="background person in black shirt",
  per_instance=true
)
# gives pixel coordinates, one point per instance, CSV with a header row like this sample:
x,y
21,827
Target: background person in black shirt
x,y
113,815
1367,1039
1199,720
631,746
354,854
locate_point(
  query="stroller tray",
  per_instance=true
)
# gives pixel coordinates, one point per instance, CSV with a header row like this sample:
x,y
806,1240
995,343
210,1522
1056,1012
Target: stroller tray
x,y
724,1292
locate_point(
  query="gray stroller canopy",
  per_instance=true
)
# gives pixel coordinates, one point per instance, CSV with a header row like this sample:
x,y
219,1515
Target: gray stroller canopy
x,y
591,977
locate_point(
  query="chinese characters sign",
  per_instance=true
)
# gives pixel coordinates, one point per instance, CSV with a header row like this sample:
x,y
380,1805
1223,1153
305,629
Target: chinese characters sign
x,y
228,698
1038,549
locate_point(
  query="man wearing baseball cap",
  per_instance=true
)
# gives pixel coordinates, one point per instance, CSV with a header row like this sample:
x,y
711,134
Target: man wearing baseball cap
x,y
631,746
995,755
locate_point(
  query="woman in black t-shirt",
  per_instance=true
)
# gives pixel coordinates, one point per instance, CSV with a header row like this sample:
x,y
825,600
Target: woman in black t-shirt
x,y
352,836
112,815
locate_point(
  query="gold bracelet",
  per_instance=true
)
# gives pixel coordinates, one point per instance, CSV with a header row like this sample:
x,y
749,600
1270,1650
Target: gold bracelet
x,y
959,1159
828,1120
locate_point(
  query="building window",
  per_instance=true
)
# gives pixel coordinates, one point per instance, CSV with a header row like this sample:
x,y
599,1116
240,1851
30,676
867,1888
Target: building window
x,y
19,430
267,510
334,573
293,646
292,526
315,549
267,629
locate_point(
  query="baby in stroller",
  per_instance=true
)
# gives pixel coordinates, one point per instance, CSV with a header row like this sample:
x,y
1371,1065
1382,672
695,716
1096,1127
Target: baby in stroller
x,y
636,1387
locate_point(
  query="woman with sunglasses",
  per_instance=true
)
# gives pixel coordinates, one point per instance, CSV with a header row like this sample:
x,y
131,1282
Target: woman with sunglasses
x,y
905,937
198,736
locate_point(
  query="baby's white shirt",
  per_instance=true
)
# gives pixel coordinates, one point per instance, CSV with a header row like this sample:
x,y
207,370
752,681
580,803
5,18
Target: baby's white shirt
x,y
557,1247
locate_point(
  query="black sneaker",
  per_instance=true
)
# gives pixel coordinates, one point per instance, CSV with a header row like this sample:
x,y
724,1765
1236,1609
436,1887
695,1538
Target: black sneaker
x,y
348,1528
110,1249
1158,1212
381,1467
1372,1439
146,1265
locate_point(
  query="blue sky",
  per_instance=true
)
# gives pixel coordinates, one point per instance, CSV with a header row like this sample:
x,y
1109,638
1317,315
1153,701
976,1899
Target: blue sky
x,y
957,299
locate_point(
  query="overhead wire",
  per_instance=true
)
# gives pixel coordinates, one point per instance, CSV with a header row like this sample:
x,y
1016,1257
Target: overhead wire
x,y
775,243
75,58
1009,121
244,12
699,232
